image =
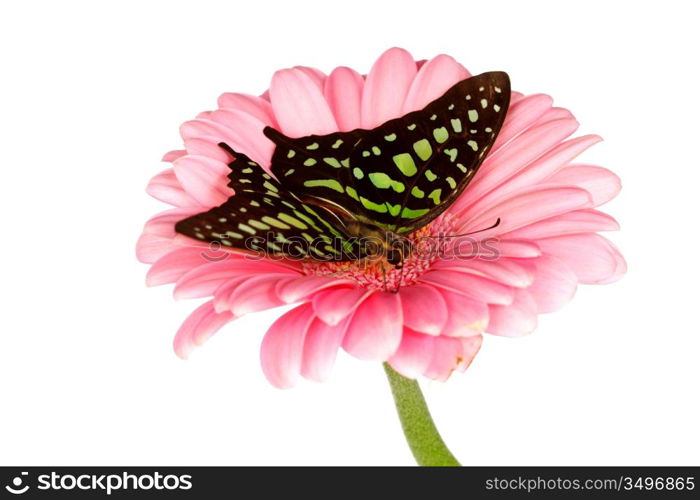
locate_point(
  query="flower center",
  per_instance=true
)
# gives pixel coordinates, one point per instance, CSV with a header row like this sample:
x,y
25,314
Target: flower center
x,y
376,273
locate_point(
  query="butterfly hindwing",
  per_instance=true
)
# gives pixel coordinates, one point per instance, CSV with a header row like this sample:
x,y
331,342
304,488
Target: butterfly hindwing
x,y
262,217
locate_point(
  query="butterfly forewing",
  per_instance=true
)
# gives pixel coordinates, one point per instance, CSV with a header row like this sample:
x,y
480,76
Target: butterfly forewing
x,y
423,161
407,171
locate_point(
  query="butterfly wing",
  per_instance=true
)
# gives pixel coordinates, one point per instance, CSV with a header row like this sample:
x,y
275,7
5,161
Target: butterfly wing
x,y
263,217
404,173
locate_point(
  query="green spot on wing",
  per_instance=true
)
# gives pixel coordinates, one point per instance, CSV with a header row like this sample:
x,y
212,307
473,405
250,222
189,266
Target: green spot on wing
x,y
329,183
456,125
358,173
435,195
383,181
375,207
405,163
409,213
423,149
258,224
246,228
292,221
441,134
390,137
451,182
352,193
430,175
274,222
270,186
332,162
417,192
309,162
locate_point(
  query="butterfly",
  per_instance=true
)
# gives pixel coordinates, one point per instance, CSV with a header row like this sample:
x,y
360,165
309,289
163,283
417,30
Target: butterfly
x,y
346,196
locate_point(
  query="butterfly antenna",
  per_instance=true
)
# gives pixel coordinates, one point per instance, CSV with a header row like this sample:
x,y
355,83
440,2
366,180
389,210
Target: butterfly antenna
x,y
496,224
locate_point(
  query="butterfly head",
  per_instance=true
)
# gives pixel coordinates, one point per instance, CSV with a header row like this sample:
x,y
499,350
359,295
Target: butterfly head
x,y
379,243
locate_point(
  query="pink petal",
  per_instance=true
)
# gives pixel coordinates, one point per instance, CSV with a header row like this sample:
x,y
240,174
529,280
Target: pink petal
x,y
600,182
386,87
198,328
172,266
475,287
253,105
451,354
590,256
414,354
163,223
528,206
151,247
171,156
320,349
506,271
424,309
245,134
256,294
540,169
517,319
577,221
205,179
494,249
466,316
316,75
166,188
433,79
521,115
343,91
504,163
554,284
304,286
207,146
335,304
204,280
375,329
555,114
282,347
299,104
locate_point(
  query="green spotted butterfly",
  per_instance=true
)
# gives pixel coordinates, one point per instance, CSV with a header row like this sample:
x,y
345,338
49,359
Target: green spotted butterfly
x,y
332,194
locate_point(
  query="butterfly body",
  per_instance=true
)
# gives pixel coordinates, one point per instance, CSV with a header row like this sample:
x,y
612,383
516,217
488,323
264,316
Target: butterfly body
x,y
348,196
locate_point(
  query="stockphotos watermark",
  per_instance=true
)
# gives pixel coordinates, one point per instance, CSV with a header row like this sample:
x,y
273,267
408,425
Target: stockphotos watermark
x,y
105,483
272,246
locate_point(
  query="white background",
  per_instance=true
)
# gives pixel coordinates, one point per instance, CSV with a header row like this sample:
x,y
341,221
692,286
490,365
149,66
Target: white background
x,y
92,94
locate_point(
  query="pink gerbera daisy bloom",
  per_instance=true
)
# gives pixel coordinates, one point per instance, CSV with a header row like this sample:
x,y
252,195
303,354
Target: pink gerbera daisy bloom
x,y
427,317
547,241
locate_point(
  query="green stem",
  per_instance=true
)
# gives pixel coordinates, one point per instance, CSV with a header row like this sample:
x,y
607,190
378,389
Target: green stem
x,y
422,436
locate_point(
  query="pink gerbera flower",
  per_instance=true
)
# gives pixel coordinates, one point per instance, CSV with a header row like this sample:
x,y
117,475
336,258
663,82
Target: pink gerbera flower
x,y
547,241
